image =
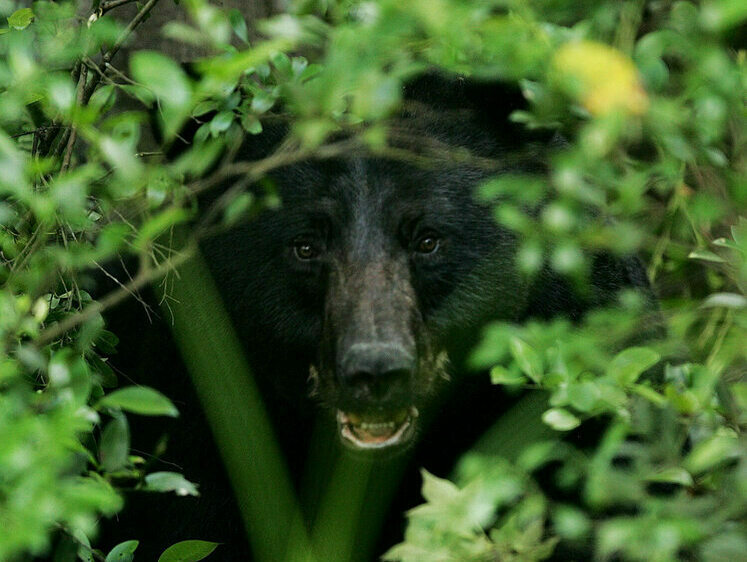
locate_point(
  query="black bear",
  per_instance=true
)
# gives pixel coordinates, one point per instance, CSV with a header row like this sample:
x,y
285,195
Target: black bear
x,y
365,290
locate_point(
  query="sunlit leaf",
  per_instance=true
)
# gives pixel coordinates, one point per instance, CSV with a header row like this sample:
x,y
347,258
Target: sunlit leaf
x,y
170,482
560,419
21,19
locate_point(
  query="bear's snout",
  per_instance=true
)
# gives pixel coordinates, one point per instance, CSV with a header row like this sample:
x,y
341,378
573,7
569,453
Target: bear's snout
x,y
378,374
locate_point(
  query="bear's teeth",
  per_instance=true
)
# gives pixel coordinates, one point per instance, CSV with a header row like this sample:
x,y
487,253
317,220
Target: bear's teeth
x,y
386,425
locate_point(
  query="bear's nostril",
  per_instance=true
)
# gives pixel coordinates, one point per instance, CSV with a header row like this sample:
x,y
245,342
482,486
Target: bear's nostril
x,y
378,372
381,386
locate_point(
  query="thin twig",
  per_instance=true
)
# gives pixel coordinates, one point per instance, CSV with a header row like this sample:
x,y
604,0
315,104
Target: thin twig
x,y
145,275
106,6
135,295
106,59
50,133
119,73
32,132
74,130
258,168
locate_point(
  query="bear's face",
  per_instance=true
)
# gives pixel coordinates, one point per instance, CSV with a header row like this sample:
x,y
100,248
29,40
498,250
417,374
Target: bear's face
x,y
368,255
371,273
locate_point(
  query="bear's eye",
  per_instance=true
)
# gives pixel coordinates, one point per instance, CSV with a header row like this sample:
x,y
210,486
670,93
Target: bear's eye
x,y
304,250
427,245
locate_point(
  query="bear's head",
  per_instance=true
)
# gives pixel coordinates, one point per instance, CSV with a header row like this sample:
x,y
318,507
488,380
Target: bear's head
x,y
369,275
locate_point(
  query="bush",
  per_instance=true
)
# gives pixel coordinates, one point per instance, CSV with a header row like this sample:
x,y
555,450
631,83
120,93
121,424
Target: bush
x,y
649,97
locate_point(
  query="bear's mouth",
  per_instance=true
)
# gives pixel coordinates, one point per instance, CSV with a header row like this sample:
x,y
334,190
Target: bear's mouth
x,y
377,431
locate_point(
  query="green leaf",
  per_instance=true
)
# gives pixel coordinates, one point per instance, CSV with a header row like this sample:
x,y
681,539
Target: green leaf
x,y
685,401
739,232
238,208
162,75
229,68
166,79
629,364
501,375
85,552
536,455
251,124
170,482
21,19
282,62
188,551
115,444
560,419
158,224
724,243
570,522
139,400
527,358
649,394
438,490
711,452
238,24
205,107
221,122
123,552
583,396
705,255
143,94
121,155
724,14
725,300
674,475
262,101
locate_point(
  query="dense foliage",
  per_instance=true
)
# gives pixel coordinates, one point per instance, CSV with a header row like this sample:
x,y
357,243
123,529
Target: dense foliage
x,y
649,97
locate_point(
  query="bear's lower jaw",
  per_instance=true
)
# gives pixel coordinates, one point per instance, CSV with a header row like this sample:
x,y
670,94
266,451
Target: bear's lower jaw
x,y
377,432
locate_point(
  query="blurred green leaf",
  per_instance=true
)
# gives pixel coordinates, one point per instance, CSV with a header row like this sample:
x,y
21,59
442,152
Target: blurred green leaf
x,y
114,446
529,361
501,375
712,452
21,19
560,419
674,475
630,364
188,551
238,24
170,482
123,552
725,300
139,400
706,256
570,522
168,82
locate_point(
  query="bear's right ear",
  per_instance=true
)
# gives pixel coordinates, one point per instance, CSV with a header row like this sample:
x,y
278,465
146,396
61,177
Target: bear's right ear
x,y
489,103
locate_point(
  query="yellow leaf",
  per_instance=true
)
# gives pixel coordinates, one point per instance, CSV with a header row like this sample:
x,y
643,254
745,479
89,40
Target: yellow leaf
x,y
602,78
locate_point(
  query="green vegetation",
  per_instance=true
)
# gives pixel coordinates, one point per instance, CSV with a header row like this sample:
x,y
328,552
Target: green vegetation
x,y
650,98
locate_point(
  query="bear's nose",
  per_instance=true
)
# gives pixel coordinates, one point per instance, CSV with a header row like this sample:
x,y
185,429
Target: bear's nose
x,y
377,372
